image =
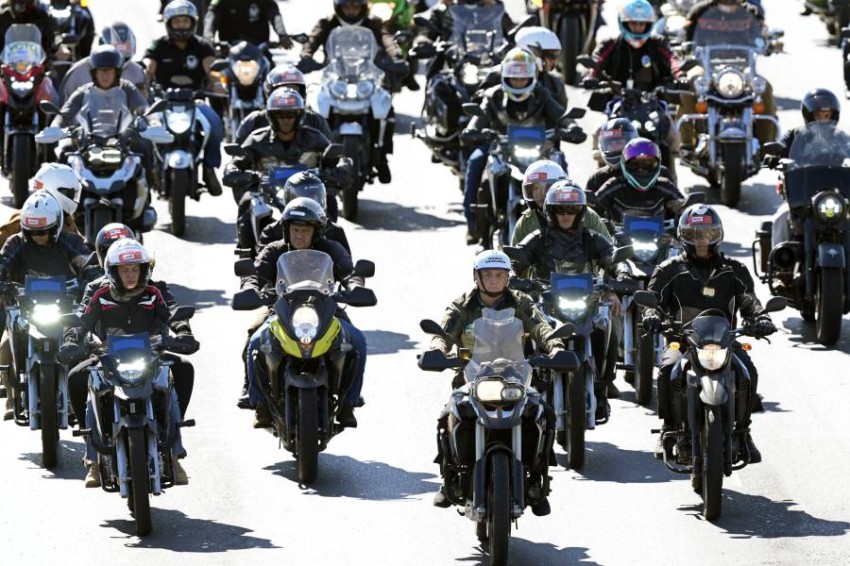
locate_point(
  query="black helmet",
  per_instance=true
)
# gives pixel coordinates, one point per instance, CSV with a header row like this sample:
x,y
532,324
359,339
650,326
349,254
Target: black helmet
x,y
304,211
107,235
700,219
613,137
106,57
283,102
364,9
565,194
285,76
820,99
305,184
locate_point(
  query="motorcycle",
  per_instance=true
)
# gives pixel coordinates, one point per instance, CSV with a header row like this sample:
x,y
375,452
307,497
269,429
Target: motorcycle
x,y
671,23
499,202
127,388
509,458
810,270
729,100
68,23
575,22
24,86
707,399
35,331
835,14
304,351
115,187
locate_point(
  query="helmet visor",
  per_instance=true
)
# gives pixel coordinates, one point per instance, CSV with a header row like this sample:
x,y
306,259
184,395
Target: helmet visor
x,y
712,233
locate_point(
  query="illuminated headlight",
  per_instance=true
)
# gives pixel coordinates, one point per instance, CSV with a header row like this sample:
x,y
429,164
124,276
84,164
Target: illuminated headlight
x,y
712,356
469,74
645,251
527,152
365,89
759,84
339,88
45,314
305,322
572,308
132,373
730,84
246,72
22,86
829,208
701,85
497,391
178,122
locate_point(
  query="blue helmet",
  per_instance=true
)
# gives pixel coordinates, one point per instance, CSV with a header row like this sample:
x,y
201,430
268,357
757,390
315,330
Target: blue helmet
x,y
636,11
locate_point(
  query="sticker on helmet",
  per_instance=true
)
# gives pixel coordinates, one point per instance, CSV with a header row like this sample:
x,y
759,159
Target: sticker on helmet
x,y
702,219
297,213
35,221
37,184
537,176
130,255
567,195
116,233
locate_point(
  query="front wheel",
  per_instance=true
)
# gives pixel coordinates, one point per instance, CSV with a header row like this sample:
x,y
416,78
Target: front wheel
x,y
499,509
644,364
48,419
576,421
712,469
830,305
571,41
22,165
733,174
308,436
140,480
178,185
351,148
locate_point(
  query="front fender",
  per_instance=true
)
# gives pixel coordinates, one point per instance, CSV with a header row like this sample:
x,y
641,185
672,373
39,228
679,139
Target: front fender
x,y
178,159
712,391
306,380
831,255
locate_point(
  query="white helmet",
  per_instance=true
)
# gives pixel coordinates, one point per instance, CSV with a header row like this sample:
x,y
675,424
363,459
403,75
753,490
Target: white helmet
x,y
41,213
543,172
539,38
491,259
125,251
519,64
61,182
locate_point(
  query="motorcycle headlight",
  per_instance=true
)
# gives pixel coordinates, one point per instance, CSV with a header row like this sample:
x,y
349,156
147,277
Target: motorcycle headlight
x,y
22,86
572,308
497,391
132,373
45,314
469,74
246,71
730,83
526,153
177,122
829,208
759,84
645,251
701,85
305,322
338,88
365,89
712,356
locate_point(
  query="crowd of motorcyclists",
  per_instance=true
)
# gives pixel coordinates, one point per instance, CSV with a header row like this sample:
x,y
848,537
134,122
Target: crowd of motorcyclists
x,y
568,236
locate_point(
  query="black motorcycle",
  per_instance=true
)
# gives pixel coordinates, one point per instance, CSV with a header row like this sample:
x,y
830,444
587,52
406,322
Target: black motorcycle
x,y
575,22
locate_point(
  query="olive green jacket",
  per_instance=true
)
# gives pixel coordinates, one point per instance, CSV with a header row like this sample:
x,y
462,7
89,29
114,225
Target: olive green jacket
x,y
530,221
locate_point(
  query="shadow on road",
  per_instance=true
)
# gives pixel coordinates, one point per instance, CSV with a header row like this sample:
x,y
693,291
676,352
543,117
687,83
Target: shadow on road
x,y
804,335
174,531
526,552
206,230
384,342
754,516
68,461
376,215
198,298
757,199
344,476
605,462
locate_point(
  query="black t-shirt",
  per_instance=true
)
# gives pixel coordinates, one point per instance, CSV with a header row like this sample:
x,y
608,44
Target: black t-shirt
x,y
180,68
242,19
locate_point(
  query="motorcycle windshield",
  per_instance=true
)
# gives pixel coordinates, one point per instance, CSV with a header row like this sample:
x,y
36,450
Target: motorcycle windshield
x,y
820,144
23,47
105,113
526,135
652,226
730,35
498,346
350,51
44,289
710,329
305,270
476,30
279,174
130,348
579,284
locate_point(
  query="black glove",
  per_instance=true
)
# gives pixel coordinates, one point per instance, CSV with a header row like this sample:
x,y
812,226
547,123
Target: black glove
x,y
285,42
771,161
763,326
70,354
187,342
652,322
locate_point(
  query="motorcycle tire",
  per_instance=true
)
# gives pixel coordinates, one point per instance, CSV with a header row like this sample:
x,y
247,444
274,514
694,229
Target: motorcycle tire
x,y
48,415
178,185
829,303
351,149
644,364
733,174
499,509
712,469
842,20
139,480
571,42
22,164
308,437
576,421
100,218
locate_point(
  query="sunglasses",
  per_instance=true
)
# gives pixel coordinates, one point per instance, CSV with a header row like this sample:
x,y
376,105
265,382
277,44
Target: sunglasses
x,y
39,233
550,55
710,233
287,114
571,210
643,165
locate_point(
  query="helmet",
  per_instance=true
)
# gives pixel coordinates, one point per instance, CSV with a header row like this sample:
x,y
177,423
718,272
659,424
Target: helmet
x,y
285,76
636,11
820,99
305,184
304,211
125,251
700,219
489,259
105,57
352,21
120,36
21,6
62,182
41,213
542,173
565,194
107,235
519,64
641,163
177,8
613,137
283,102
540,41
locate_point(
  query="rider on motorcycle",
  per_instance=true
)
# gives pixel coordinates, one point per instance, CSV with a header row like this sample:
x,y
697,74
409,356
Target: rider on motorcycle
x,y
81,22
703,278
41,248
180,59
441,19
27,12
490,273
237,20
538,177
304,222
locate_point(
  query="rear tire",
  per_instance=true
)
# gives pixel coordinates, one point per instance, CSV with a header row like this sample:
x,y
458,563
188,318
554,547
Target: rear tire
x,y
571,43
576,419
308,436
22,162
351,148
499,509
140,480
712,469
48,420
829,305
178,188
100,218
644,365
733,174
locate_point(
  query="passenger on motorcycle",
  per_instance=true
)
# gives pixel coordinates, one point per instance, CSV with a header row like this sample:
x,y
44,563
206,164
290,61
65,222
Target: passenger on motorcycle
x,y
41,248
81,25
537,179
304,222
237,20
490,274
120,36
641,191
703,278
124,302
182,59
520,99
27,12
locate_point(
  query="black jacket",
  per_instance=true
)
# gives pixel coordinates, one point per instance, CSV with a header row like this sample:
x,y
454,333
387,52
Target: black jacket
x,y
601,175
654,64
266,264
499,111
323,28
68,257
274,233
556,251
259,119
103,314
552,83
237,20
617,197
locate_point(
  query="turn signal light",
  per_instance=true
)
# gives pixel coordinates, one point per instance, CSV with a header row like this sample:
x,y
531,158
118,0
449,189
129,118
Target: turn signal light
x,y
702,107
758,107
674,345
746,346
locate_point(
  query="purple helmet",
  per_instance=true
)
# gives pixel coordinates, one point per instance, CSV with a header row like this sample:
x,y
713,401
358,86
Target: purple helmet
x,y
641,163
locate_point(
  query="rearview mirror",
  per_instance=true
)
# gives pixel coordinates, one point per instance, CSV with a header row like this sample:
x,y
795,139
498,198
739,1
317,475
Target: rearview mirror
x,y
157,106
623,253
775,304
646,299
219,65
48,107
364,268
576,113
563,331
358,297
773,148
696,197
182,313
430,327
243,267
246,300
235,150
586,61
472,109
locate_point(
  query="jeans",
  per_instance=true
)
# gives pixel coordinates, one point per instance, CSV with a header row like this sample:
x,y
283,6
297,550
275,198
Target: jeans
x,y
355,337
474,172
212,151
